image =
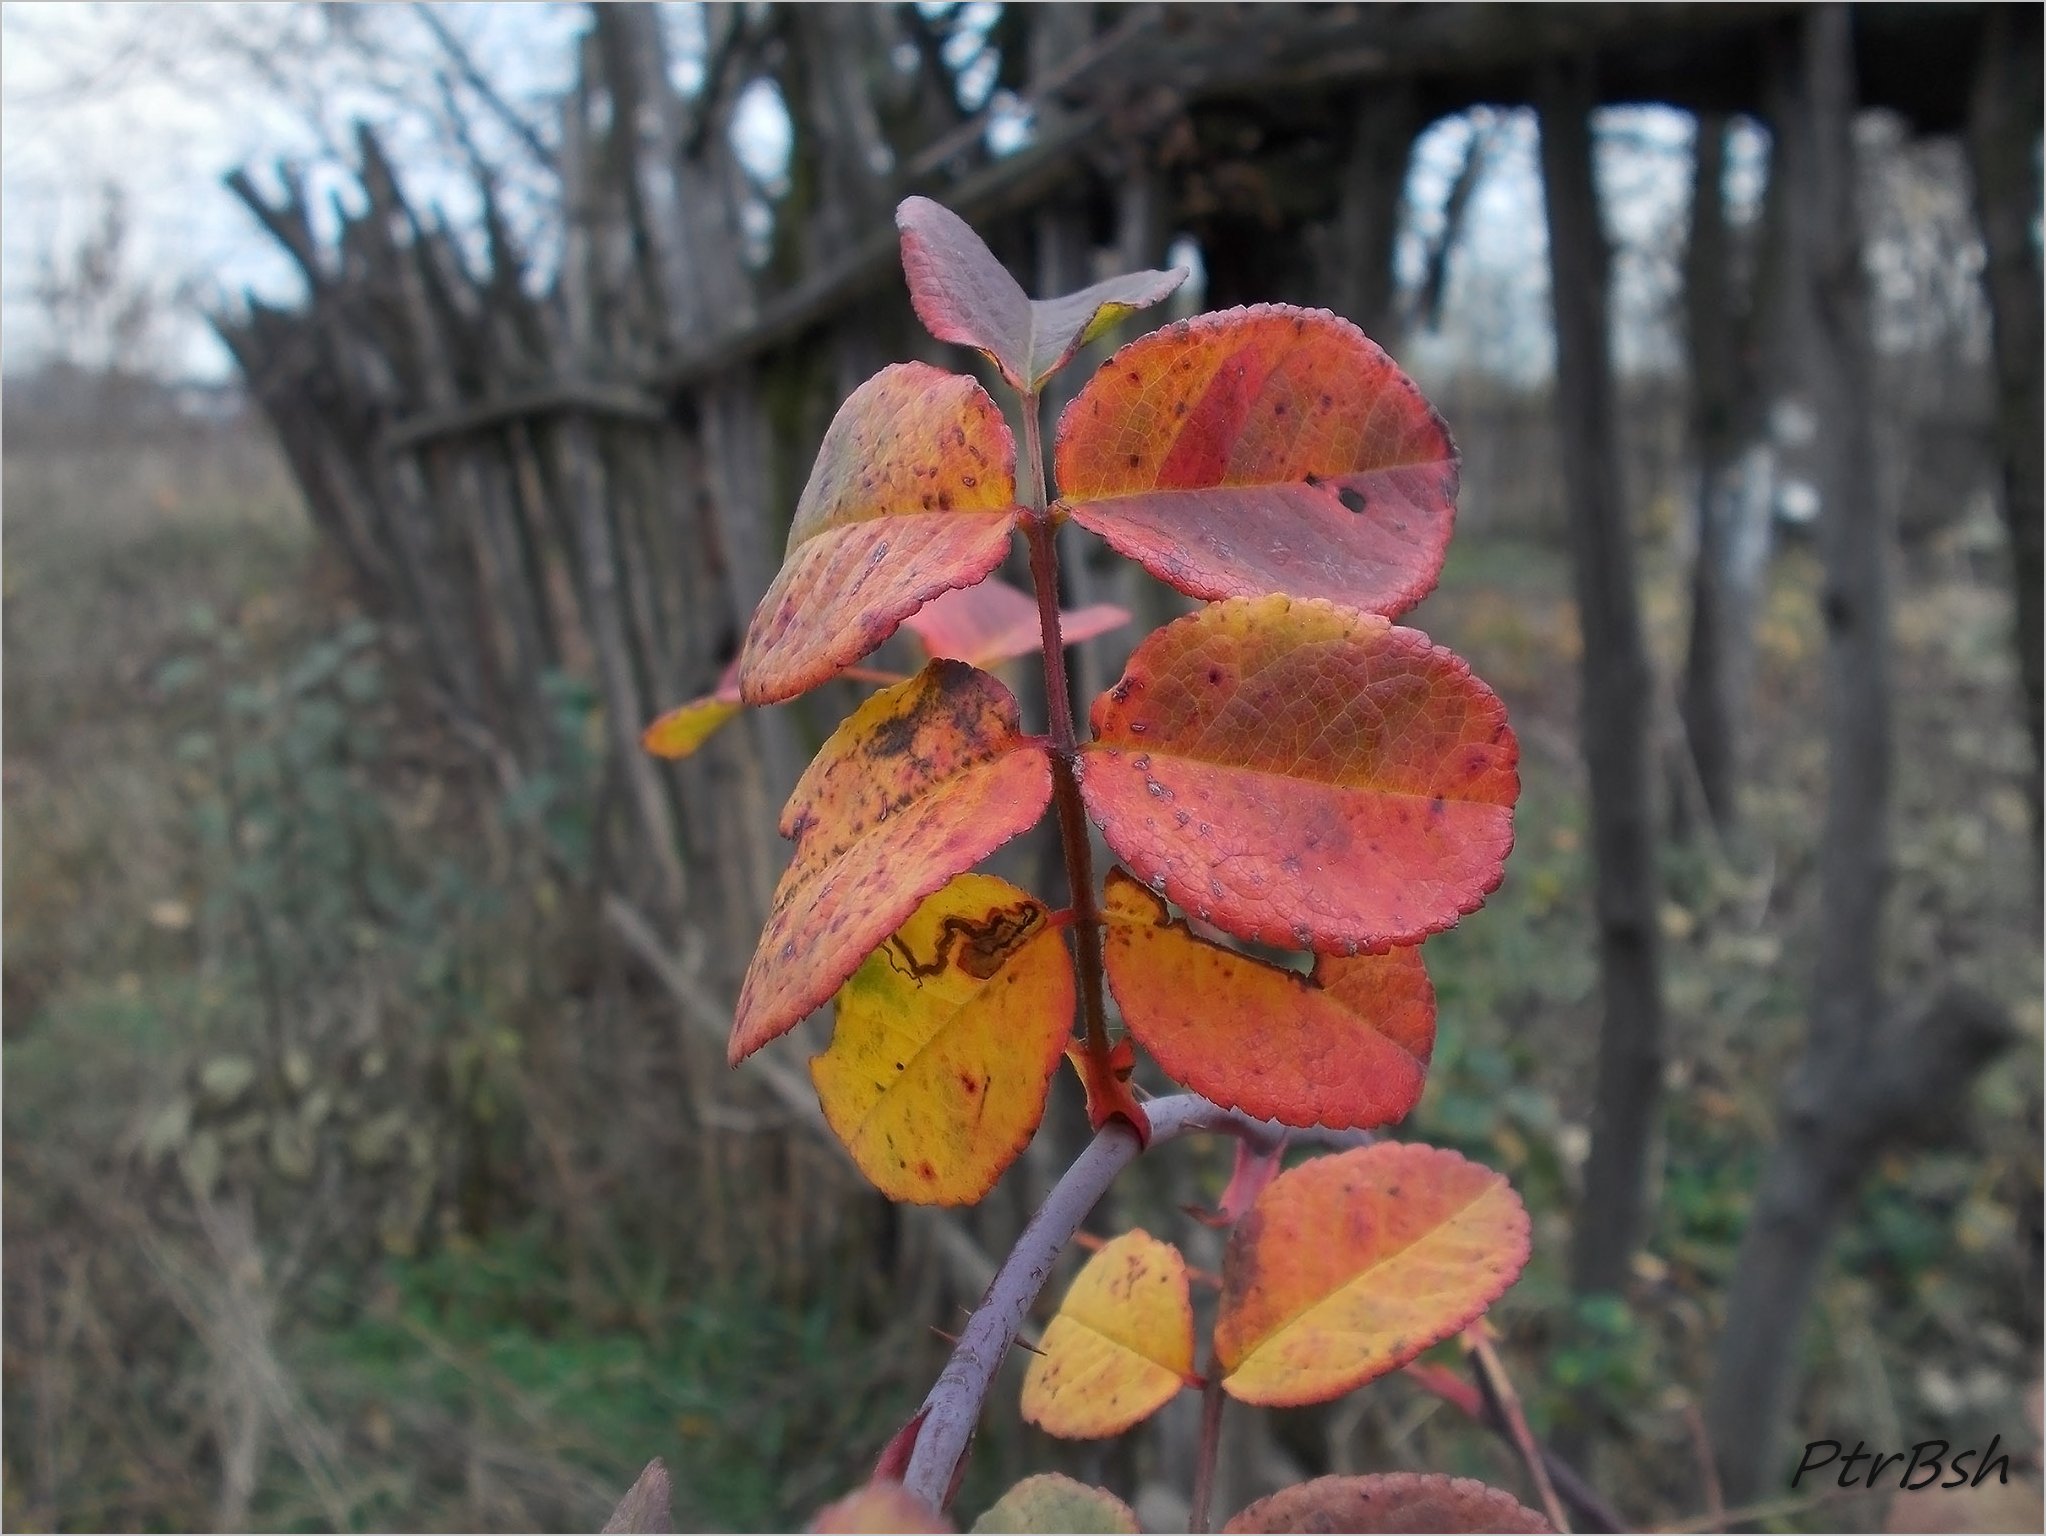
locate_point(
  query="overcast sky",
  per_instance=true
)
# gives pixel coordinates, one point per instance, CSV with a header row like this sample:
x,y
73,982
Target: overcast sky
x,y
162,100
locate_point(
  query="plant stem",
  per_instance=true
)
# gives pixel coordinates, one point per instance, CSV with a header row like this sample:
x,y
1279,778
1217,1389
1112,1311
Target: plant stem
x,y
954,1404
1065,777
1210,1445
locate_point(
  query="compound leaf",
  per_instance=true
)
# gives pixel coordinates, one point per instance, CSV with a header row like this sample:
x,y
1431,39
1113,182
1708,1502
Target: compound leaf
x,y
1346,1048
918,784
1349,1266
913,492
1121,1345
994,622
963,295
1259,450
1389,1501
1304,775
1051,1502
946,1041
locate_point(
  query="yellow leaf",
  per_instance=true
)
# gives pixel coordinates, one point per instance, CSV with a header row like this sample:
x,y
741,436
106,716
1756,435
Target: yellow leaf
x,y
683,729
1121,1345
946,1042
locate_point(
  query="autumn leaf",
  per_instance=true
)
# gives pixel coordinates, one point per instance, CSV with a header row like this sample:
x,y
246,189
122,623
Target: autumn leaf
x,y
918,784
1349,1266
879,1508
963,295
994,622
1259,450
1346,1047
913,492
1304,775
1051,1502
1388,1502
946,1041
682,730
1121,1345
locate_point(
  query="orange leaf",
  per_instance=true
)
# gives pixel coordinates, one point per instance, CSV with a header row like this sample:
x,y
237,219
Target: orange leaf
x,y
879,1508
1121,1345
1347,1048
920,783
1389,1501
946,1042
1304,775
913,492
963,295
1350,1266
1262,450
1051,1502
994,622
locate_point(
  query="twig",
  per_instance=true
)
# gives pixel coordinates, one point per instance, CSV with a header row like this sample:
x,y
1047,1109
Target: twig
x,y
1505,1403
1210,1445
954,1404
1708,1466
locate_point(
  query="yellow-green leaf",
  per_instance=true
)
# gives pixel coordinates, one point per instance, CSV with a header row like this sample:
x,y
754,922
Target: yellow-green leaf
x,y
946,1042
1121,1345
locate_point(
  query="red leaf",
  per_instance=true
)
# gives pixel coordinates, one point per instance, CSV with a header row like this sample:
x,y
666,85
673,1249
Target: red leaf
x,y
1389,1501
994,622
920,783
963,295
914,492
1304,775
1263,450
1346,1048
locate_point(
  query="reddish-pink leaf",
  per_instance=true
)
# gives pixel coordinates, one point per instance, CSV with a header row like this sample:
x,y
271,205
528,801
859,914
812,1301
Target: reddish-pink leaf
x,y
1304,775
920,783
1349,1266
1388,1502
877,1509
963,295
994,622
1346,1048
1249,1176
913,492
1262,450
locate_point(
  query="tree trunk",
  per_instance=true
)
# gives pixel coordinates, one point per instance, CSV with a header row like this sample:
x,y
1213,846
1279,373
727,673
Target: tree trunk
x,y
1711,723
1614,711
1862,1079
2003,130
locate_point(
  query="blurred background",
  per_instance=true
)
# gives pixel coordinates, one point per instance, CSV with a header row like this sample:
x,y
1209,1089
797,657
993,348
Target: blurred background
x,y
404,403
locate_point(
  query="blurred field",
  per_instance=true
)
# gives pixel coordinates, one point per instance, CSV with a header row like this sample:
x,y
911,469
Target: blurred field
x,y
344,1188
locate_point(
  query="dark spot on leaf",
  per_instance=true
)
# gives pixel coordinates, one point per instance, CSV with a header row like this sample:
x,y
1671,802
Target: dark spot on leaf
x,y
1351,497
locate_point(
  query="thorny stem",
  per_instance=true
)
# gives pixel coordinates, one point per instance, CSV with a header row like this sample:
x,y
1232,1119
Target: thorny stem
x,y
1065,778
1210,1445
954,1404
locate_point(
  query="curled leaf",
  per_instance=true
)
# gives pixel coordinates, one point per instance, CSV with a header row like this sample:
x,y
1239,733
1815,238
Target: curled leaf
x,y
913,492
994,622
1389,1501
1121,1345
1346,1047
1349,1266
1051,1502
1304,775
1260,450
918,784
963,295
946,1041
